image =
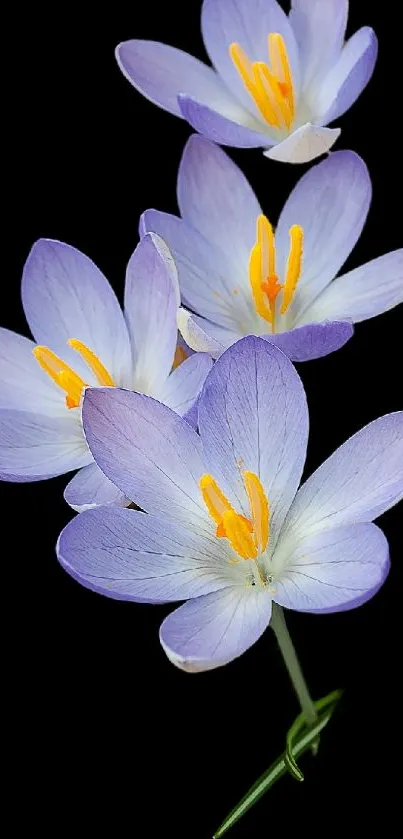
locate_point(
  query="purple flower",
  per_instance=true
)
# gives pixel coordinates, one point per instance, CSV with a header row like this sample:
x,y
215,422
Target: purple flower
x,y
83,338
239,279
276,81
225,528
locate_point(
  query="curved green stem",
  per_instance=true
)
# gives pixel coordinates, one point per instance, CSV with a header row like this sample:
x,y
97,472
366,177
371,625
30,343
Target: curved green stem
x,y
284,641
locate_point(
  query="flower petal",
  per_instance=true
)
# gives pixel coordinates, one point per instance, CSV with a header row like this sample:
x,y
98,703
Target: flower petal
x,y
319,27
314,340
348,77
253,416
363,293
64,296
35,446
161,72
361,480
247,22
151,304
215,198
334,570
203,336
183,386
304,144
23,384
240,130
204,272
148,451
331,203
130,555
91,488
210,631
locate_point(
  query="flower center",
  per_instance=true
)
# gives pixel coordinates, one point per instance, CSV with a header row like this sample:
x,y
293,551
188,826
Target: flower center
x,y
271,87
65,377
247,536
262,270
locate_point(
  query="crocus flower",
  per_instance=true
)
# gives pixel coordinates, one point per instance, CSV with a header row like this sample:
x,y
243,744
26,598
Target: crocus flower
x,y
83,338
225,528
239,278
276,81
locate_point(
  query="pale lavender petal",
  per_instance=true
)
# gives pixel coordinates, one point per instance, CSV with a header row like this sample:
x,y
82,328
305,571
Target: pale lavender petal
x,y
314,340
334,570
362,479
215,198
253,416
204,336
210,631
91,488
148,451
347,79
247,22
214,125
23,384
204,272
331,203
161,72
35,446
151,305
64,296
130,555
182,388
363,293
319,27
305,144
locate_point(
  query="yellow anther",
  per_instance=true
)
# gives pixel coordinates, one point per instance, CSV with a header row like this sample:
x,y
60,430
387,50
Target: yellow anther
x,y
214,499
265,238
259,507
294,265
280,65
180,355
274,96
239,534
271,88
260,300
62,375
92,361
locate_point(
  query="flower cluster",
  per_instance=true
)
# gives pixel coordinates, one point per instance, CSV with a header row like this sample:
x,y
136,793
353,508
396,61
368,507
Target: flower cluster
x,y
186,404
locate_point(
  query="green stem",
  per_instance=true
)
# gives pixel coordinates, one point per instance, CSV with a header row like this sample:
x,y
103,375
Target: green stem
x,y
292,664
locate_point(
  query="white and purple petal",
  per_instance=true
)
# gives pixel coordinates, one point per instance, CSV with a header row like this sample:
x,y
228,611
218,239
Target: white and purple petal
x,y
241,131
319,27
349,76
24,386
314,340
304,144
182,388
91,488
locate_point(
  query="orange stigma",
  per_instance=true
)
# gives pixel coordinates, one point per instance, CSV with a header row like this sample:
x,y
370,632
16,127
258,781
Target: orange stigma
x,y
65,377
247,536
263,278
270,87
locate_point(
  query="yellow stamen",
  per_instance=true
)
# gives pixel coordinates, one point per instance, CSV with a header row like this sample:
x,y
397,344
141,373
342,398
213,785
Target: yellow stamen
x,y
281,68
256,280
214,499
259,507
294,265
180,355
100,372
271,88
265,238
239,534
61,374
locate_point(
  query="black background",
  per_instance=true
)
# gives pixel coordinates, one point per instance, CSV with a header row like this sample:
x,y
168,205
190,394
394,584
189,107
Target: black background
x,y
106,733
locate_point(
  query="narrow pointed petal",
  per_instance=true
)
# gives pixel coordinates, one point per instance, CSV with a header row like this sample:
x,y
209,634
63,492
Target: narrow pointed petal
x,y
148,451
331,203
182,388
253,416
305,144
349,76
210,631
215,198
91,488
64,296
130,555
24,386
334,570
319,27
242,131
363,293
314,340
35,446
151,304
359,482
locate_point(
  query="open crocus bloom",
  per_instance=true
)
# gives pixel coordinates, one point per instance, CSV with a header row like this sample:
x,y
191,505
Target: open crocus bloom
x,y
240,278
226,529
83,338
276,83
